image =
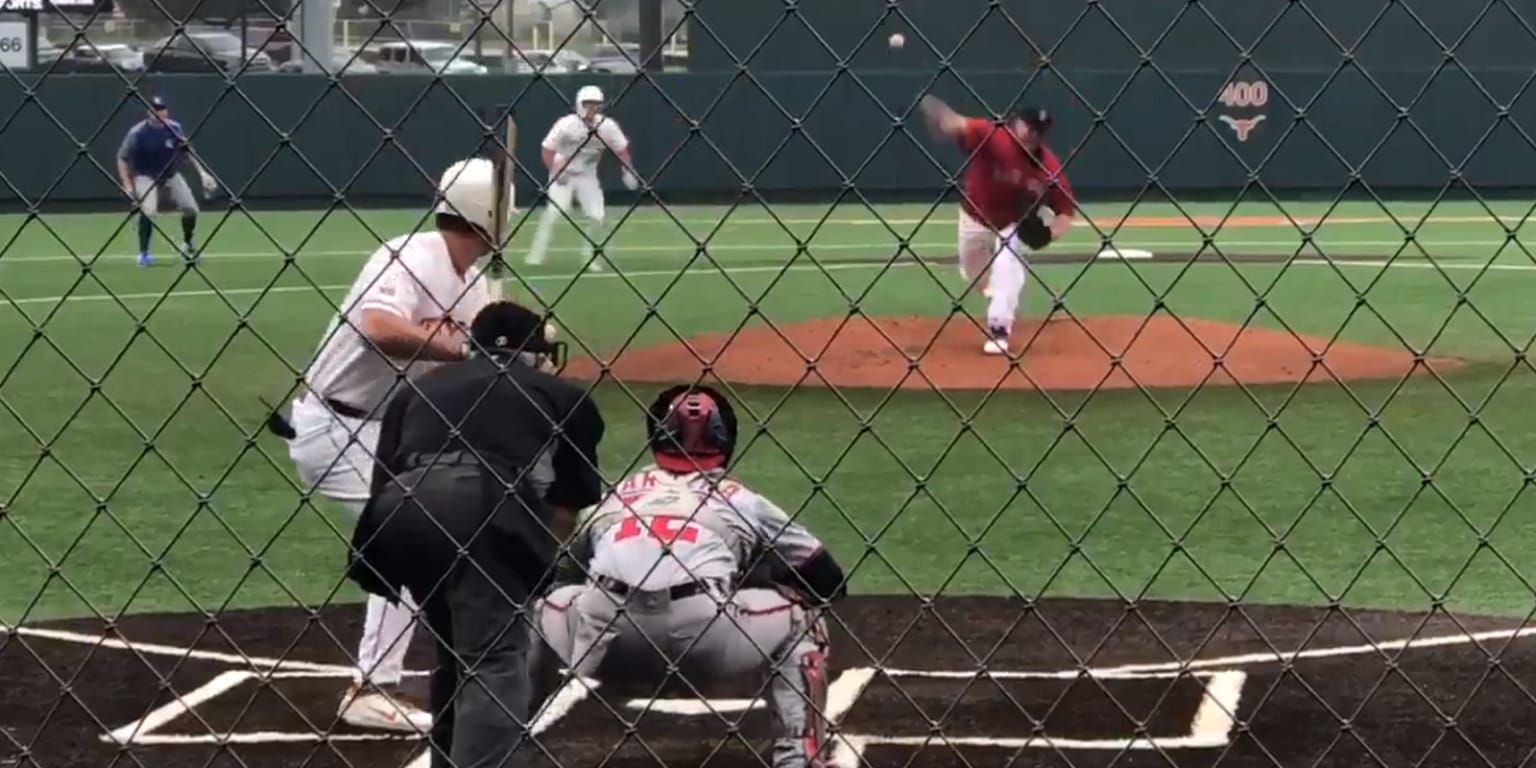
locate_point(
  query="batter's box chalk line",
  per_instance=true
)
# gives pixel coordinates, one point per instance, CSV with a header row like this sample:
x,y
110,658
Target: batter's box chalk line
x,y
1222,684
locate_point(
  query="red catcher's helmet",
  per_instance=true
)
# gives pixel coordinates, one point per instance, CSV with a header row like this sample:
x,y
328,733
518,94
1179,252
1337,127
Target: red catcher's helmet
x,y
691,428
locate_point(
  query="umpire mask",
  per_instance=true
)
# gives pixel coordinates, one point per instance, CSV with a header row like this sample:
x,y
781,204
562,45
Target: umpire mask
x,y
507,329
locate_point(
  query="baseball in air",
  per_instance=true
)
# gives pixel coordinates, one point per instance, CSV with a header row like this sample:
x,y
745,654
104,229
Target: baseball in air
x,y
897,40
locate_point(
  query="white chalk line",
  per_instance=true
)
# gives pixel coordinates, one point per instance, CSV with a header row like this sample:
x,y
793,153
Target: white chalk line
x,y
1219,700
263,737
1216,713
1210,727
155,649
1017,674
1047,742
682,249
572,692
1245,659
641,274
160,716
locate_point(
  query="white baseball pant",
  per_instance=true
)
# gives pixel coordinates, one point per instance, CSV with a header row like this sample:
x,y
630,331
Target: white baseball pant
x,y
1003,260
147,193
334,455
587,190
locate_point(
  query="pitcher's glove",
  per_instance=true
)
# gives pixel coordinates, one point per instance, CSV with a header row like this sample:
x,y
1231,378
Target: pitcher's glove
x,y
1034,229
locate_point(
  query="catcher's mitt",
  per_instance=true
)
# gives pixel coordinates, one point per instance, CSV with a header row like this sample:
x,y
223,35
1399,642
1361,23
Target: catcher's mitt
x,y
1033,231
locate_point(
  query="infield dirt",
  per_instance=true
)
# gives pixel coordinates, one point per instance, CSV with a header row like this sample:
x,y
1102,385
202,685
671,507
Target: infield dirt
x,y
1087,353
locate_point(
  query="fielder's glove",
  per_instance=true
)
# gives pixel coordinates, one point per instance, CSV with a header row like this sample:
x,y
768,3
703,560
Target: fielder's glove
x,y
1034,230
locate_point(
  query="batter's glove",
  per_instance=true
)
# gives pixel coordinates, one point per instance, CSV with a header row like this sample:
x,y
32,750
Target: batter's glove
x,y
1033,231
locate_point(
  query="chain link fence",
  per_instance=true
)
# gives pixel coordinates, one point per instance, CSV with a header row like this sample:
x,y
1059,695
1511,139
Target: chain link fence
x,y
1105,383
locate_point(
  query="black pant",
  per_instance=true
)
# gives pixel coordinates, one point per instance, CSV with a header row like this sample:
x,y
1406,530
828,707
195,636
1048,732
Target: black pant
x,y
481,688
473,604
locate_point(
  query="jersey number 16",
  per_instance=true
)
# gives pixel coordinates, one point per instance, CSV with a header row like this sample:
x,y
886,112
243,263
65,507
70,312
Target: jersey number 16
x,y
664,528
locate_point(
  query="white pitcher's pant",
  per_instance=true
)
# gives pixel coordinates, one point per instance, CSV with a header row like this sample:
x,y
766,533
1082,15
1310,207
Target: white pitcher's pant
x,y
335,455
587,192
977,244
1006,283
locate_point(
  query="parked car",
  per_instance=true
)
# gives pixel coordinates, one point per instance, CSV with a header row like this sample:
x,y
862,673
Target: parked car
x,y
496,62
408,57
87,58
561,61
626,59
204,51
615,60
342,62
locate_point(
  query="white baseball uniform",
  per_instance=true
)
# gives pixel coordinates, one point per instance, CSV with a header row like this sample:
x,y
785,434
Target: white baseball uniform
x,y
578,148
663,553
411,276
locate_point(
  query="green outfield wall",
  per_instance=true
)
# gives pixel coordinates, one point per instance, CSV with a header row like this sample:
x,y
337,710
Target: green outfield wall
x,y
721,135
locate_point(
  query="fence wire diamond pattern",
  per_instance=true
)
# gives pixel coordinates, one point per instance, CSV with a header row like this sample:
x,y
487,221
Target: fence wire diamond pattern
x,y
1228,470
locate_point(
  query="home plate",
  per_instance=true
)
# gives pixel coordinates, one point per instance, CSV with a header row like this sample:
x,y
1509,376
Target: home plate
x,y
1124,253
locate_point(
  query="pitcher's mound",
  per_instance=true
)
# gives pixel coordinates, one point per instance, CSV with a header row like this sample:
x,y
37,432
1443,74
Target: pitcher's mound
x,y
1060,354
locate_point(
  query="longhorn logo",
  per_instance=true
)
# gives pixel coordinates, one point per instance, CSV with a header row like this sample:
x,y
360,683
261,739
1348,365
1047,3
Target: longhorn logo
x,y
1242,126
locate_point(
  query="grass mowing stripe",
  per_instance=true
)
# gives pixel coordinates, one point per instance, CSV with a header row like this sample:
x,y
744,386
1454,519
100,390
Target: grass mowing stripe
x,y
648,273
814,247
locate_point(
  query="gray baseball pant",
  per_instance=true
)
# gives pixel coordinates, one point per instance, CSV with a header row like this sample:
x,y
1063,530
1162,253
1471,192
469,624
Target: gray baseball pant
x,y
709,635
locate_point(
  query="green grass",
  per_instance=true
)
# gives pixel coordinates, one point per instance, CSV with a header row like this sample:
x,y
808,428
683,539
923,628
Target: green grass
x,y
135,477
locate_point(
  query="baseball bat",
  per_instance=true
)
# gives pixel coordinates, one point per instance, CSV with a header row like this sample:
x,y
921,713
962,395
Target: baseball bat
x,y
502,173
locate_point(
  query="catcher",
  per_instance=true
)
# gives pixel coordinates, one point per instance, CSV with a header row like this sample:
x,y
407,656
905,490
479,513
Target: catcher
x,y
1009,173
662,561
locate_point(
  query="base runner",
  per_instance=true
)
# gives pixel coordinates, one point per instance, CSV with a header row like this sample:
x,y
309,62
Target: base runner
x,y
571,152
1009,170
663,557
407,308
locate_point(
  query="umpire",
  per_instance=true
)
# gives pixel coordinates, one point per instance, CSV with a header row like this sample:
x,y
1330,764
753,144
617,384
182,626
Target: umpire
x,y
477,461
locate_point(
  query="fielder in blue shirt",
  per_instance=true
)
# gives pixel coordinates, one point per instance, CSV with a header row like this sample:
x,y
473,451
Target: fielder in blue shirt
x,y
148,163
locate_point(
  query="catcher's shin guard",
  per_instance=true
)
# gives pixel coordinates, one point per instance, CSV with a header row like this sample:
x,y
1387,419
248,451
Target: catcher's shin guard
x,y
800,699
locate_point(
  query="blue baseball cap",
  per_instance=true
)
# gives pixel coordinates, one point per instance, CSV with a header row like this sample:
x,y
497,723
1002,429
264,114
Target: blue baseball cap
x,y
155,102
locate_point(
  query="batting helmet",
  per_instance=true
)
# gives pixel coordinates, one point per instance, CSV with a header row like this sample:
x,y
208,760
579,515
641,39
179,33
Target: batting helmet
x,y
588,94
467,190
691,429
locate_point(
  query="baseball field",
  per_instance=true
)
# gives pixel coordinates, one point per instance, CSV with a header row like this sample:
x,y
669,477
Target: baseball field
x,y
1296,427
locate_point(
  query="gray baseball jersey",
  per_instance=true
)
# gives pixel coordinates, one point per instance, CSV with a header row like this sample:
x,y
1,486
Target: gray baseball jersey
x,y
657,529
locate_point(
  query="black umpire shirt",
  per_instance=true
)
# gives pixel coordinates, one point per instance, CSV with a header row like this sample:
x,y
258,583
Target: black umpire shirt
x,y
531,433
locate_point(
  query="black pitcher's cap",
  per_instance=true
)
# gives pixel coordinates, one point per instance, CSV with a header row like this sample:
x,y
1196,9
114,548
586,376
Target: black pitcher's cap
x,y
1036,118
157,102
504,325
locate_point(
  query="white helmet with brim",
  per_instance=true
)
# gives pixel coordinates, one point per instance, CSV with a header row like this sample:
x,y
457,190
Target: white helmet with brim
x,y
588,94
467,190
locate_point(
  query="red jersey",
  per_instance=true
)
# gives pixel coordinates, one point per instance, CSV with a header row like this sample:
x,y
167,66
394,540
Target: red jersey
x,y
1001,178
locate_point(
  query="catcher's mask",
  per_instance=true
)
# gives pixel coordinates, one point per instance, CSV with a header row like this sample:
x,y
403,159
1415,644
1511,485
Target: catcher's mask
x,y
506,328
691,429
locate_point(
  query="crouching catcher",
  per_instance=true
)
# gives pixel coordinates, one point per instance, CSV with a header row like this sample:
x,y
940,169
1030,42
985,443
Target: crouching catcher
x,y
661,570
